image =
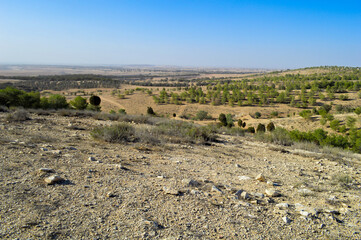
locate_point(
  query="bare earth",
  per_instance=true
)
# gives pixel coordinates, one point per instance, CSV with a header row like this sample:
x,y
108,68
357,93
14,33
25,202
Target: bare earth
x,y
133,191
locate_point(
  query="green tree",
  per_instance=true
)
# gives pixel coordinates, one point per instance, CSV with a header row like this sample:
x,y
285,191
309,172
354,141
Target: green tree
x,y
79,103
95,100
57,101
222,118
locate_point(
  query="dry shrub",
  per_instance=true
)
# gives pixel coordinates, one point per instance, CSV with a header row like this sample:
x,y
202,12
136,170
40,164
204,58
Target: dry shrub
x,y
18,116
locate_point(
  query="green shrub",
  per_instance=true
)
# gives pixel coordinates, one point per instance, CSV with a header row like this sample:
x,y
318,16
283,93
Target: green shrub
x,y
335,124
122,111
350,122
57,101
201,115
270,127
274,114
150,111
222,118
306,114
79,103
229,120
240,123
343,97
257,115
261,128
279,136
358,110
251,130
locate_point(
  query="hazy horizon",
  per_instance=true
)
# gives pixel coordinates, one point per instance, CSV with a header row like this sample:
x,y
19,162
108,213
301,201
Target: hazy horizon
x,y
197,34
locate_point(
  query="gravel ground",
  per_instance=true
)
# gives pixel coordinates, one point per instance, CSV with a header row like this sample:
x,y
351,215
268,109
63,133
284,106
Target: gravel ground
x,y
173,191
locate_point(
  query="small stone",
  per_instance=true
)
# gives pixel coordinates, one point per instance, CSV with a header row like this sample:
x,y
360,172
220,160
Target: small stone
x,y
282,205
191,183
92,159
161,176
46,170
72,148
286,219
272,193
244,178
217,190
259,195
261,178
245,195
44,149
56,152
53,179
194,192
321,226
237,165
170,190
110,195
269,182
304,213
305,191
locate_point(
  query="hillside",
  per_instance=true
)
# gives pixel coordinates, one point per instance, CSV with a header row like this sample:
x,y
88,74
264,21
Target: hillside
x,y
134,190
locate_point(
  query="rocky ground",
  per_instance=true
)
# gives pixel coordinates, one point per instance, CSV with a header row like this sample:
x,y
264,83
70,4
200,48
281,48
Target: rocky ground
x,y
233,189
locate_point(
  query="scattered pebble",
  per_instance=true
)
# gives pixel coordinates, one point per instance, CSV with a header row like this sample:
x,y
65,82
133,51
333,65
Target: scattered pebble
x,y
272,192
53,179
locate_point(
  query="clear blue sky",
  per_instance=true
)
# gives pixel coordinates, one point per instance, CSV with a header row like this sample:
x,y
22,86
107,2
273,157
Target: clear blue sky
x,y
219,33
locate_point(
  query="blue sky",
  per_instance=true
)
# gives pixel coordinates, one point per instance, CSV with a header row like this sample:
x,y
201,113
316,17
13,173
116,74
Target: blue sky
x,y
199,33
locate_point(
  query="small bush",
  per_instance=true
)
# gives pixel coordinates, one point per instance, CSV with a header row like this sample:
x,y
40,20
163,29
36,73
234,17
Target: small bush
x,y
270,127
201,115
79,103
335,124
306,114
344,97
122,132
17,116
150,111
274,114
257,115
122,111
222,118
251,130
240,123
261,128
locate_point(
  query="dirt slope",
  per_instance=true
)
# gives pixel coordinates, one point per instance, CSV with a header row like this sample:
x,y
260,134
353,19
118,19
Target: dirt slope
x,y
133,191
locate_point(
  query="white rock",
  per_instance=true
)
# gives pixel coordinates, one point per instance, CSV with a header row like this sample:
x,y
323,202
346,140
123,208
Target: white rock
x,y
56,152
245,195
244,178
305,191
286,220
272,192
53,179
92,159
259,195
304,213
282,205
237,165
